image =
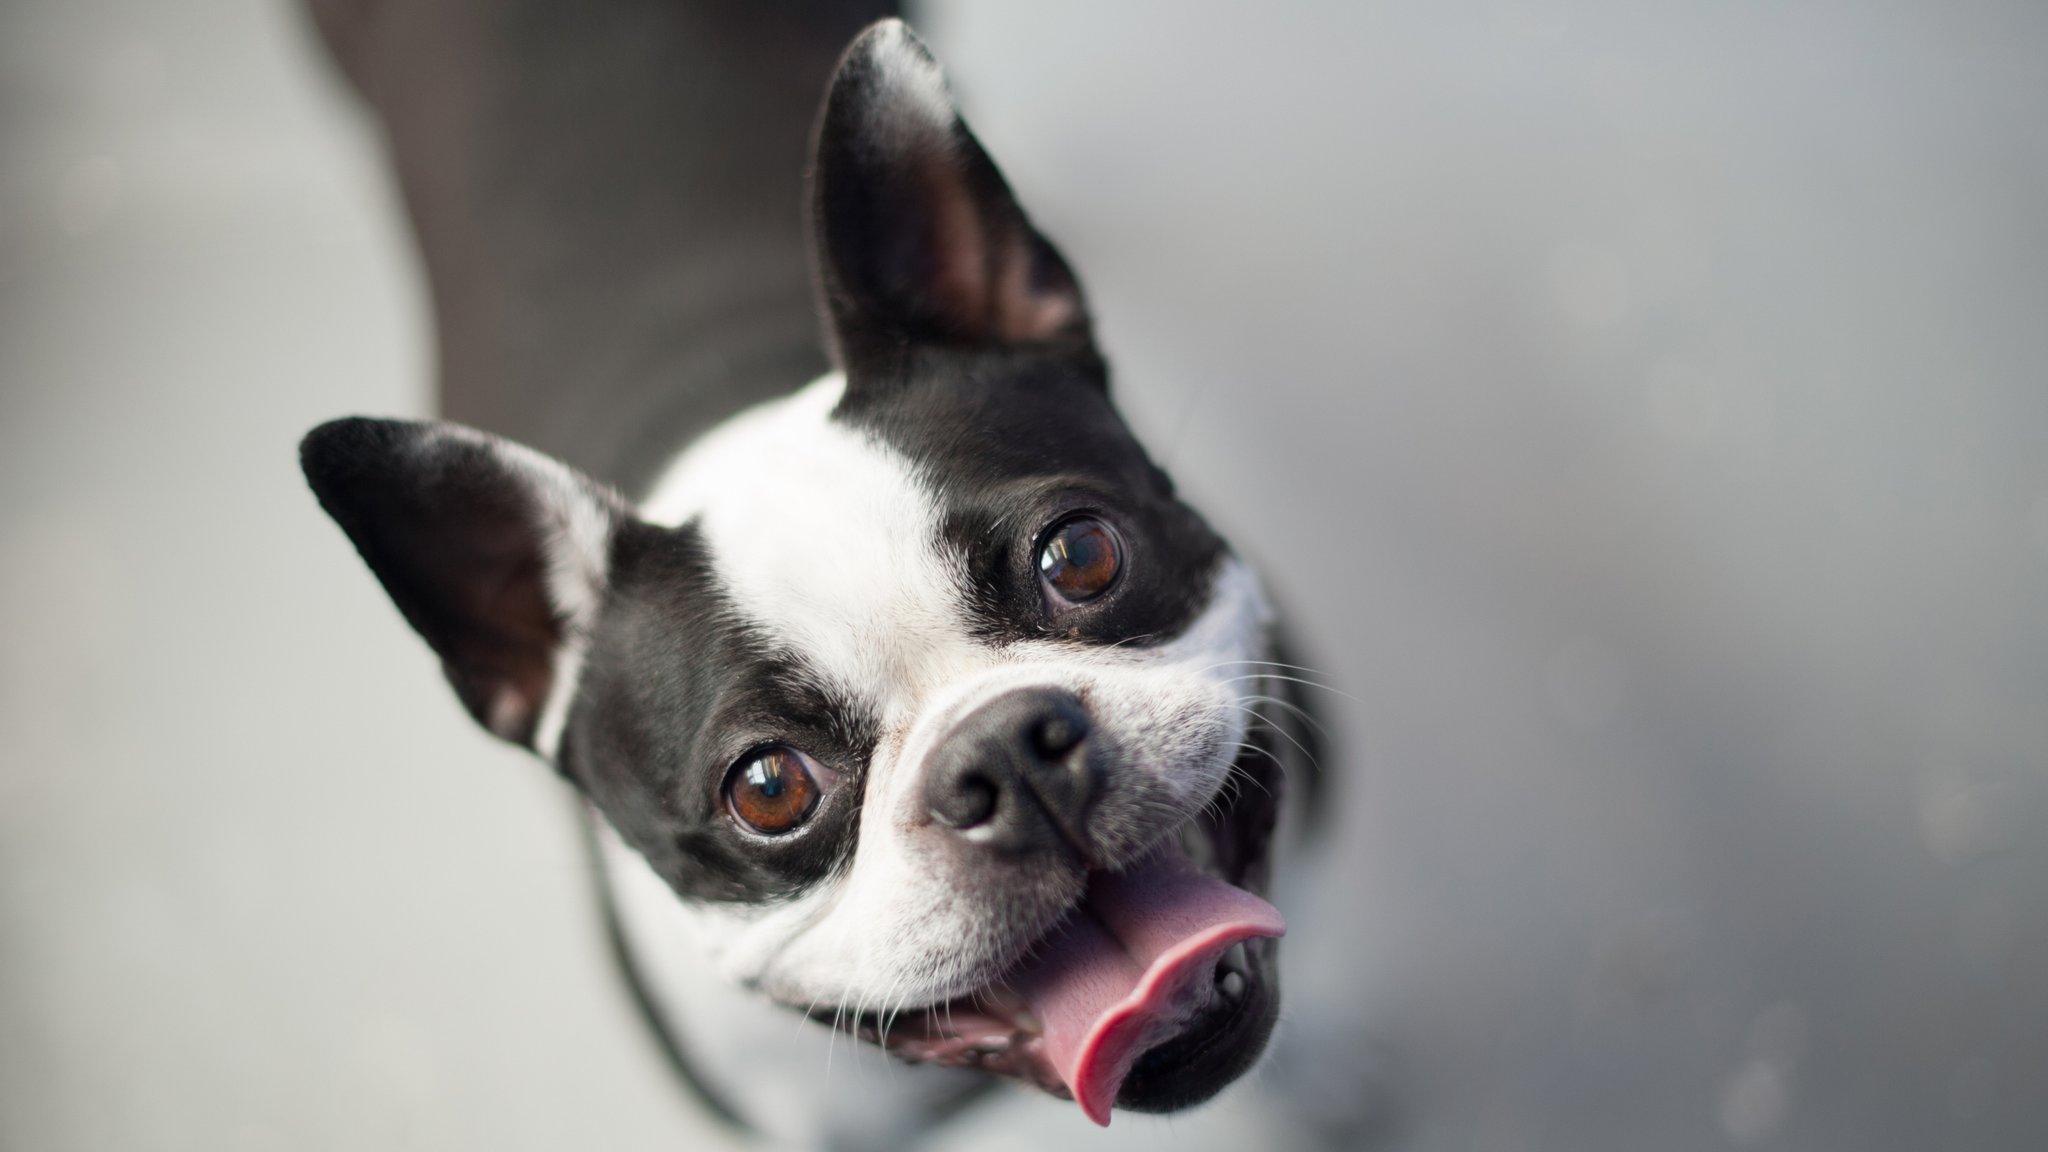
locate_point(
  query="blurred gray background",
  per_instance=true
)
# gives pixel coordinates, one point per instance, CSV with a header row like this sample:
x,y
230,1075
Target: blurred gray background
x,y
1644,414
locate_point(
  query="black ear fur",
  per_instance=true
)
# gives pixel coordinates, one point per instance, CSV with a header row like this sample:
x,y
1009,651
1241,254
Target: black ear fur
x,y
494,553
916,236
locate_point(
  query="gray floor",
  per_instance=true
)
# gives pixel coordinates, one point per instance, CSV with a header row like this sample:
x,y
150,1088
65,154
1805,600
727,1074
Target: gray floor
x,y
1646,416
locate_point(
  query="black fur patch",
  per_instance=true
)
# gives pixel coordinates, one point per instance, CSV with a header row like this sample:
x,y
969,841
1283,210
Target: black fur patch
x,y
676,687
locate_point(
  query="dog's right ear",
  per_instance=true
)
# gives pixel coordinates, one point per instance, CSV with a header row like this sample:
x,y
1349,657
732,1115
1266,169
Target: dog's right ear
x,y
497,555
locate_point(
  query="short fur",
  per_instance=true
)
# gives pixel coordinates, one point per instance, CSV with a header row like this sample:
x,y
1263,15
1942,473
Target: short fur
x,y
848,569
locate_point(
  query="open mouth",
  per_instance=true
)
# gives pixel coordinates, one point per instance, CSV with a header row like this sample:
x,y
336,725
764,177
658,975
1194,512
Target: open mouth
x,y
1154,993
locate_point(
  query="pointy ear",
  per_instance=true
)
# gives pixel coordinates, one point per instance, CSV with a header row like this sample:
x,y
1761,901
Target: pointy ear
x,y
916,236
496,554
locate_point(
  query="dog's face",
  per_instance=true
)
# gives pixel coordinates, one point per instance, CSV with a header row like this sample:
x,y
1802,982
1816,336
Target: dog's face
x,y
920,687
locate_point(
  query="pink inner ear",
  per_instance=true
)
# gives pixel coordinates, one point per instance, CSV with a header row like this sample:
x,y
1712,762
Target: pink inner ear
x,y
960,277
982,274
509,715
1027,317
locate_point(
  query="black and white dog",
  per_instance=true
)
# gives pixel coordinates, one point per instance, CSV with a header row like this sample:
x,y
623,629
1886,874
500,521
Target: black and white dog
x,y
910,699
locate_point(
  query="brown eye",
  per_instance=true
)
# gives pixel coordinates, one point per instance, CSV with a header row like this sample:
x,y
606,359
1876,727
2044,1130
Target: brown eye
x,y
1080,559
772,790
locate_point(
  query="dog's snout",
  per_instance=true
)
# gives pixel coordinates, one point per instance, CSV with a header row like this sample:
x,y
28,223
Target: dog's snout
x,y
1017,773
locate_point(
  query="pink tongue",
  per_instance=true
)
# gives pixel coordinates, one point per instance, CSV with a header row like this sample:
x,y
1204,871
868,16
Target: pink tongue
x,y
1114,980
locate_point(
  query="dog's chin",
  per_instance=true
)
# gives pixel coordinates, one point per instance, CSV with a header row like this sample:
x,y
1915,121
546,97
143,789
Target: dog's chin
x,y
1210,1028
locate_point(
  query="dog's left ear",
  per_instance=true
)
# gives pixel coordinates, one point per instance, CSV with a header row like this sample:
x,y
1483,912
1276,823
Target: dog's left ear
x,y
917,237
497,555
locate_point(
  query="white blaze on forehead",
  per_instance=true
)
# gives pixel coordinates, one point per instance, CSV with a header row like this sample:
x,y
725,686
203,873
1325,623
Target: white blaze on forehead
x,y
826,540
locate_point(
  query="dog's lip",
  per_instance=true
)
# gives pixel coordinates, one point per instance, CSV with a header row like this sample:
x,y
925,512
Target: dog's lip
x,y
991,1028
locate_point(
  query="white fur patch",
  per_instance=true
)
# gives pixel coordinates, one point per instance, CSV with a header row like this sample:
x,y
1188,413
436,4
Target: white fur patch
x,y
748,1049
908,68
829,543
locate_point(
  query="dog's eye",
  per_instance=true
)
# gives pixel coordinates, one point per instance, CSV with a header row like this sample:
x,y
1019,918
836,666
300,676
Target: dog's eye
x,y
773,790
1080,559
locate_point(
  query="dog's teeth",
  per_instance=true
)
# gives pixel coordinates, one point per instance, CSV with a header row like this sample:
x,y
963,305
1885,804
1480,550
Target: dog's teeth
x,y
1232,985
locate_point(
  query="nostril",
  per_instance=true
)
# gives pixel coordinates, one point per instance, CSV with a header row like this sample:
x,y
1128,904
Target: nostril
x,y
973,802
1058,732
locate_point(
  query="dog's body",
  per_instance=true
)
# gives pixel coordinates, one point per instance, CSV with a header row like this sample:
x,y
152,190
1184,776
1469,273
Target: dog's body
x,y
606,198
911,699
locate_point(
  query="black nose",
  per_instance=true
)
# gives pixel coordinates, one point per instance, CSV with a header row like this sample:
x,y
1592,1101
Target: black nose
x,y
1016,774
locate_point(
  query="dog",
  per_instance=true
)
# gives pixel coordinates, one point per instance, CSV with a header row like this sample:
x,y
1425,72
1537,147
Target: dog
x,y
911,699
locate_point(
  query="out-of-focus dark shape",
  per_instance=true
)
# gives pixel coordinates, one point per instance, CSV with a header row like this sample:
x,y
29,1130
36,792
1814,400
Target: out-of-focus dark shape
x,y
608,196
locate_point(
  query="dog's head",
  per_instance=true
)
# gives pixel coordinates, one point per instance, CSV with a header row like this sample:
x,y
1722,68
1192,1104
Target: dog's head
x,y
920,687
